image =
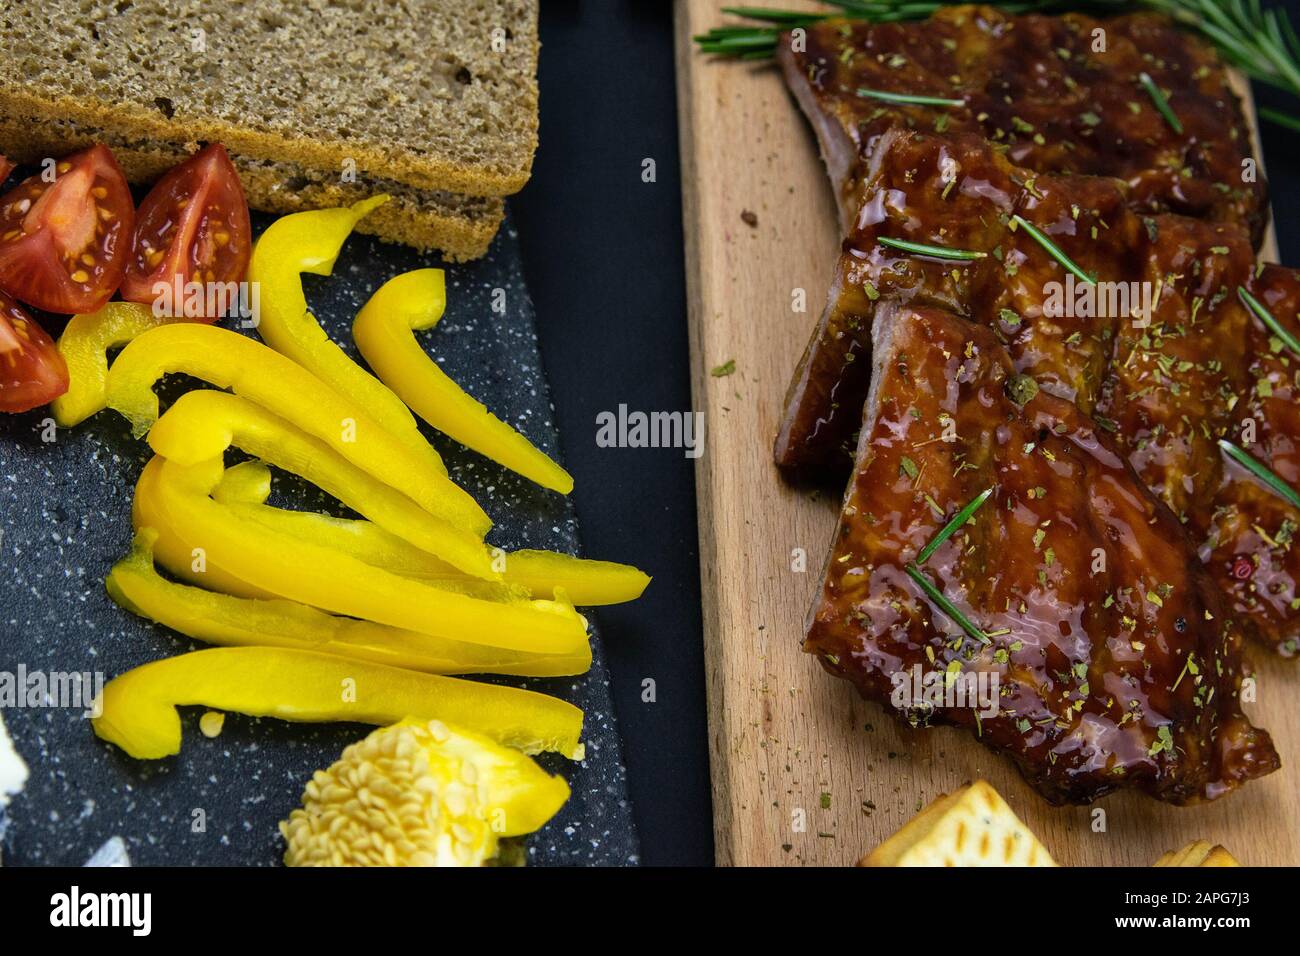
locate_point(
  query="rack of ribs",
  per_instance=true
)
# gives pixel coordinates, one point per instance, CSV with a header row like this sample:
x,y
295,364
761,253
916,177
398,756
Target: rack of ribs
x,y
1162,352
1061,94
1111,658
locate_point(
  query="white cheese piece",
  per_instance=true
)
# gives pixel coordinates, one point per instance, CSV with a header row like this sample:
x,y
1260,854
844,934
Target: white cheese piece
x,y
112,853
13,772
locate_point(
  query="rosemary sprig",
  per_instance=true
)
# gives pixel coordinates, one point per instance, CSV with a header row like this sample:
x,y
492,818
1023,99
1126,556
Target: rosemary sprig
x,y
1260,42
1052,248
948,608
1262,472
1268,319
959,519
1162,102
924,249
908,98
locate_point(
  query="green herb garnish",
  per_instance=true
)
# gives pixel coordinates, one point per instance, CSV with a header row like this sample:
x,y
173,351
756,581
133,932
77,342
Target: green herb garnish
x,y
959,519
1021,389
1052,248
1162,102
908,98
923,249
1262,472
1265,316
948,608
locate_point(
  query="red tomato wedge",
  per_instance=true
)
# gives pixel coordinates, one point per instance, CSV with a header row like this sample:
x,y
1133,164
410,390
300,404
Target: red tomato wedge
x,y
32,372
6,167
192,225
63,244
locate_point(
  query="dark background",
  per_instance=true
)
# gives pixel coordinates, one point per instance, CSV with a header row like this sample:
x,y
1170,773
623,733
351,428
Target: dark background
x,y
603,254
603,259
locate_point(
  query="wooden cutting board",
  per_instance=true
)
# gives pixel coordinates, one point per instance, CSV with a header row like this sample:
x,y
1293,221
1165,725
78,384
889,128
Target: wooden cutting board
x,y
803,771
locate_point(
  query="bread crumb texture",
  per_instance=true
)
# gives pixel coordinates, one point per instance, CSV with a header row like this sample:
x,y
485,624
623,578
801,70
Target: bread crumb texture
x,y
432,94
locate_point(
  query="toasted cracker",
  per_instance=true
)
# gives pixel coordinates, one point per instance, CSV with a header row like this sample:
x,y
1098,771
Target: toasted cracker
x,y
972,826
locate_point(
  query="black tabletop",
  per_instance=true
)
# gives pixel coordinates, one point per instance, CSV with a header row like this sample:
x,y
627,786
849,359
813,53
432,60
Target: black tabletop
x,y
603,260
603,252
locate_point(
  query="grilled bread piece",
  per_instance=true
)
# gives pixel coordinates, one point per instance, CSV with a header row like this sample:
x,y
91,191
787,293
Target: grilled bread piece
x,y
318,102
1116,664
972,826
1062,94
1198,853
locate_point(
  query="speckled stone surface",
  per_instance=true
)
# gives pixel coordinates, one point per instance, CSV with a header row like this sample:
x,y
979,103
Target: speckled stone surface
x,y
65,518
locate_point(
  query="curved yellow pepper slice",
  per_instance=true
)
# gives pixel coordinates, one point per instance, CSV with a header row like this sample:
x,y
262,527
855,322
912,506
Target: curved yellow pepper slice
x,y
324,578
202,424
84,346
310,242
383,333
586,583
420,793
139,712
248,482
234,621
265,377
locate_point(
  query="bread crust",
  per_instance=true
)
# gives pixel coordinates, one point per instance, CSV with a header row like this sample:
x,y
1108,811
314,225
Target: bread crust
x,y
425,221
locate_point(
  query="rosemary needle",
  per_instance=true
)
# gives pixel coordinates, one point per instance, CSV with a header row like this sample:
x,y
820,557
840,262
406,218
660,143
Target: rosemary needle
x,y
1262,472
1265,316
946,532
1162,102
923,249
948,608
908,98
1052,248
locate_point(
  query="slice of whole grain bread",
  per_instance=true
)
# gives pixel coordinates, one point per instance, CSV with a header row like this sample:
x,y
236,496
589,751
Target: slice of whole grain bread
x,y
431,94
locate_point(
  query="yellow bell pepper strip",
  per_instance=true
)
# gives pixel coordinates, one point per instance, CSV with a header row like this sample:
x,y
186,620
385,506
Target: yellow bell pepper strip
x,y
202,424
281,386
84,346
185,559
585,582
181,555
310,242
248,482
234,621
326,579
420,793
139,714
383,333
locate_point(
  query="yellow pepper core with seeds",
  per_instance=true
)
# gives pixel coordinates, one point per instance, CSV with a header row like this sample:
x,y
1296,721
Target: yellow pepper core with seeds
x,y
420,793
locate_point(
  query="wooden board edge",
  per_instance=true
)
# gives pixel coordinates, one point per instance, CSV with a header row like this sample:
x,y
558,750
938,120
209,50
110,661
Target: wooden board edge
x,y
714,658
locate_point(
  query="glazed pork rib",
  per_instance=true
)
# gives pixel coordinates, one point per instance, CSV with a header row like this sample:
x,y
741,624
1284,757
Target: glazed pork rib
x,y
1250,544
1161,352
959,193
1097,633
1059,95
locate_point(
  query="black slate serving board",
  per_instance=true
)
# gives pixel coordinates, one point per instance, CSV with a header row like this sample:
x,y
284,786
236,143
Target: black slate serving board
x,y
65,511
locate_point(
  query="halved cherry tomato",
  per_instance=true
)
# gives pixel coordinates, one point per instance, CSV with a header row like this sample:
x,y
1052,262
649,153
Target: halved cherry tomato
x,y
32,372
193,224
63,244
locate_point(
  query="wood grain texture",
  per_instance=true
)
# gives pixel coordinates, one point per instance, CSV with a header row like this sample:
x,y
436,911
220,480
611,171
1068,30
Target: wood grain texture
x,y
788,742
